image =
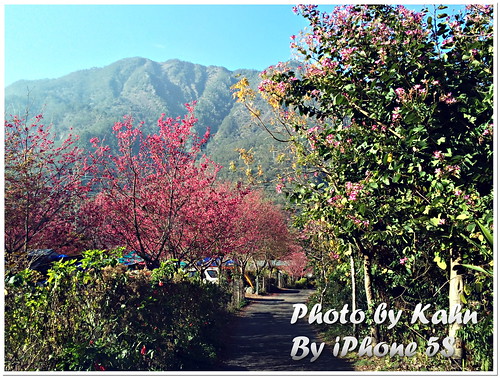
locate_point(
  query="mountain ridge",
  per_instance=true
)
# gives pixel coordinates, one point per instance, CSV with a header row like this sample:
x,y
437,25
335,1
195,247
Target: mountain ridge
x,y
90,101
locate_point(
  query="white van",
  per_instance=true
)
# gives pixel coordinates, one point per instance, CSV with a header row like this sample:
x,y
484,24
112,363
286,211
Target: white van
x,y
210,274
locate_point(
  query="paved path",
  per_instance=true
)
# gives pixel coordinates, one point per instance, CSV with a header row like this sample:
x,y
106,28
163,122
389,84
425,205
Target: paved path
x,y
261,337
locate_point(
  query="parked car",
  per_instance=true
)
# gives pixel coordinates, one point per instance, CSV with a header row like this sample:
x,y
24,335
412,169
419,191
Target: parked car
x,y
210,274
42,259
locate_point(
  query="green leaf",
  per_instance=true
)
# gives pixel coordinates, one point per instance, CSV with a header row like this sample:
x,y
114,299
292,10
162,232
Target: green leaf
x,y
441,140
462,216
467,289
486,233
477,268
434,221
471,227
440,263
462,298
338,99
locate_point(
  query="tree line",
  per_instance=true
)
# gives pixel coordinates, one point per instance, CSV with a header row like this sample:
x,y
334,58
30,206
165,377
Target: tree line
x,y
156,194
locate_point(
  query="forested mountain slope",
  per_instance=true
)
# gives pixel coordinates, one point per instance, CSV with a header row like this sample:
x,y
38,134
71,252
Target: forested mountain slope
x,y
91,101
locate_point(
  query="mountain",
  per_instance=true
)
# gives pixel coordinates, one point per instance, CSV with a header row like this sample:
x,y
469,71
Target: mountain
x,y
91,101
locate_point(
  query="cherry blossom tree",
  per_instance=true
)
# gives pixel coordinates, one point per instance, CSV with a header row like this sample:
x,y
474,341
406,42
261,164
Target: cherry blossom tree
x,y
45,183
296,264
263,234
158,192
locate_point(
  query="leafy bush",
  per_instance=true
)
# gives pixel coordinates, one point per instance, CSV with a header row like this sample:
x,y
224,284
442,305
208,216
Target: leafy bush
x,y
301,283
99,316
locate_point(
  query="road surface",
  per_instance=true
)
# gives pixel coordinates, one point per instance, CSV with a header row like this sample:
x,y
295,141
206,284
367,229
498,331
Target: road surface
x,y
261,337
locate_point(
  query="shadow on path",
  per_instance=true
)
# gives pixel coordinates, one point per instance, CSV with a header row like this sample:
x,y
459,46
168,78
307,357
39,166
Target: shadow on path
x,y
261,338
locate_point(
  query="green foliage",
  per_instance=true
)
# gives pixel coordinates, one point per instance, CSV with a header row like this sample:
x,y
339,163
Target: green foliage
x,y
391,123
301,283
165,272
99,316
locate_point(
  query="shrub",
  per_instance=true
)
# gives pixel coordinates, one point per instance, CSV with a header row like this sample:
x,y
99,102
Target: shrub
x,y
99,316
301,283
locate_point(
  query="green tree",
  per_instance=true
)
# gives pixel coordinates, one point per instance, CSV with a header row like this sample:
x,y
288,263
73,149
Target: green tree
x,y
390,117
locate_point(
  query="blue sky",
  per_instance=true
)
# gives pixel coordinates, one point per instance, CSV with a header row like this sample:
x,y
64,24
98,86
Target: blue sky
x,y
49,41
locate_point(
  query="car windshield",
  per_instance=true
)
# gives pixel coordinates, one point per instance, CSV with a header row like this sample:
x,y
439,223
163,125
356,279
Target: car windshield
x,y
212,273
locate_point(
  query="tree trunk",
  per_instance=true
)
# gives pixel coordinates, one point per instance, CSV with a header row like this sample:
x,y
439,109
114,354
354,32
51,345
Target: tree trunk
x,y
151,264
367,267
353,290
455,292
367,264
324,275
239,283
238,294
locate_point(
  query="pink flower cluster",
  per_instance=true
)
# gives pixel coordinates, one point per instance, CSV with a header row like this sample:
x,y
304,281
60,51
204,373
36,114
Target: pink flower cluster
x,y
438,155
346,53
315,93
488,130
466,197
314,70
411,16
330,141
313,130
478,12
447,98
453,169
333,200
329,64
359,222
447,41
95,142
416,92
396,115
400,93
353,190
268,85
